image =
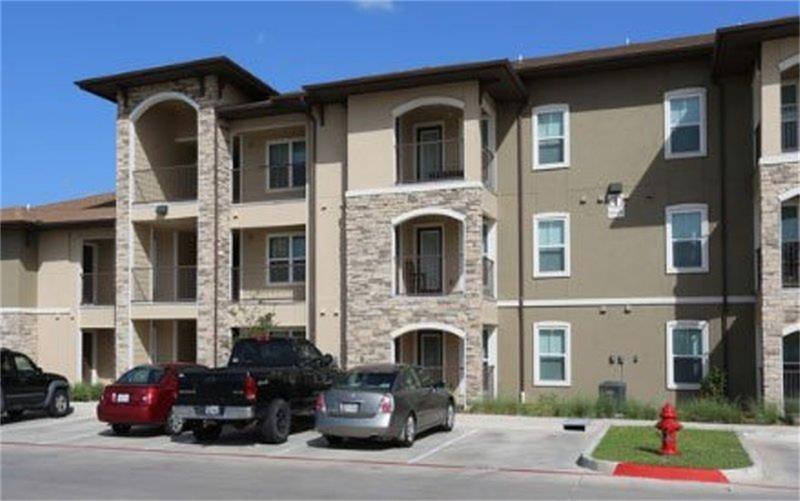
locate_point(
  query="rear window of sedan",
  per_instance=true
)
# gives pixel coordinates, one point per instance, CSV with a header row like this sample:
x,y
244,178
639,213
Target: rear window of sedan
x,y
142,375
367,380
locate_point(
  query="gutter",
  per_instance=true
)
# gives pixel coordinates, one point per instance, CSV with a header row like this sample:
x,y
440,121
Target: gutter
x,y
311,284
520,259
723,229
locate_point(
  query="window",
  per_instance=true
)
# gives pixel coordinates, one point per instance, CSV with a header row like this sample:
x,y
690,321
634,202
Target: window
x,y
286,259
790,134
551,136
551,245
687,354
551,354
687,238
24,364
286,164
790,246
685,123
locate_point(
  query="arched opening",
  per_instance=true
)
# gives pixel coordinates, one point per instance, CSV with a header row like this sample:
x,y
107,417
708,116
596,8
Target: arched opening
x,y
438,348
429,252
429,140
790,240
790,93
164,149
791,372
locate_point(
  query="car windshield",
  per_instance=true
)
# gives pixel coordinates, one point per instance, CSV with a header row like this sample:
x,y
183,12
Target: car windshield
x,y
142,375
367,380
272,353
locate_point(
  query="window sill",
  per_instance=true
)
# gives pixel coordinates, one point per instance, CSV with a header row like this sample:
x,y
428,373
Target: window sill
x,y
685,155
552,384
683,386
550,166
561,274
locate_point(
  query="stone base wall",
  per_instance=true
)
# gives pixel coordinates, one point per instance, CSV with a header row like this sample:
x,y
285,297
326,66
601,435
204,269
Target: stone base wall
x,y
374,312
18,332
779,307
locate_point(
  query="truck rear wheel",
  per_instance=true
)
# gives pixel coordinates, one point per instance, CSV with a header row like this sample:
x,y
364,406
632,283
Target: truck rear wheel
x,y
277,422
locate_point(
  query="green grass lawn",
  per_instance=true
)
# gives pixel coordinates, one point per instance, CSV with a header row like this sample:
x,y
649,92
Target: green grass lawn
x,y
698,448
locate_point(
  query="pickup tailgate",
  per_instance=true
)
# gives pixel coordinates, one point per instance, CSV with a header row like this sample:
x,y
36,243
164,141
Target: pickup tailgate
x,y
224,387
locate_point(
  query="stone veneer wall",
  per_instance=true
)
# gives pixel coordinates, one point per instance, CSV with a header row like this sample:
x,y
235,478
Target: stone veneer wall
x,y
18,332
373,312
779,307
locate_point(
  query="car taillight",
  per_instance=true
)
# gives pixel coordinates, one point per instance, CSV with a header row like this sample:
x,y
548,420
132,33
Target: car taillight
x,y
387,404
250,388
320,405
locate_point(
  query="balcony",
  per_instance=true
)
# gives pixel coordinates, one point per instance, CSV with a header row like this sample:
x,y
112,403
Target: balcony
x,y
97,288
273,282
488,176
428,275
430,161
488,277
176,183
164,284
429,260
259,183
790,265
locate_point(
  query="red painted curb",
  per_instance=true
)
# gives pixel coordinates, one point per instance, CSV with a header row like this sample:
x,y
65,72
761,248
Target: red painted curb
x,y
669,473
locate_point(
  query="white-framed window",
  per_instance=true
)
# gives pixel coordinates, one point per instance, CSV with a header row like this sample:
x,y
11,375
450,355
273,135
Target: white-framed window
x,y
687,354
551,253
685,123
687,238
286,259
790,132
286,164
551,136
551,354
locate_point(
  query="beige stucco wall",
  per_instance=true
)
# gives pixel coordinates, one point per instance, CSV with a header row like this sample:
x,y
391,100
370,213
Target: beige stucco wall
x,y
371,132
773,52
18,266
253,172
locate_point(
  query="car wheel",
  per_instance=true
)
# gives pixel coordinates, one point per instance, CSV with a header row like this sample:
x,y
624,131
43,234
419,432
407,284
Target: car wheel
x,y
174,424
59,405
333,440
277,423
449,417
121,429
409,432
207,433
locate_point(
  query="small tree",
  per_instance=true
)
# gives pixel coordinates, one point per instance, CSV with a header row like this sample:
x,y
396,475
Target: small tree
x,y
261,326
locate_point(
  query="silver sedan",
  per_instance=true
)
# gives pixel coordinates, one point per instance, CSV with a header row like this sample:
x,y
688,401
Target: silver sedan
x,y
384,402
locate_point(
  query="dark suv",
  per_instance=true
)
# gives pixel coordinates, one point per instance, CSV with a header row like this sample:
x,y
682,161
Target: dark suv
x,y
26,387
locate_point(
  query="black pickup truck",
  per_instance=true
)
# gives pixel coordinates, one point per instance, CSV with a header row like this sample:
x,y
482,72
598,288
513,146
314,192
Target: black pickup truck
x,y
267,381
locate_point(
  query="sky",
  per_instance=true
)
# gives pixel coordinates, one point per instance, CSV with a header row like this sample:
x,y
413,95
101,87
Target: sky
x,y
58,142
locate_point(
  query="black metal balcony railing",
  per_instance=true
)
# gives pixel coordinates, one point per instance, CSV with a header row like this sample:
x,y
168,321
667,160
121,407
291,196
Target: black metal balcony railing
x,y
165,184
164,284
97,288
790,264
432,274
789,135
429,161
488,276
488,169
254,183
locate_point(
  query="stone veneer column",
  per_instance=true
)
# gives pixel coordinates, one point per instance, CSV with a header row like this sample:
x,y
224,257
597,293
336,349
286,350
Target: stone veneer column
x,y
373,312
123,236
779,307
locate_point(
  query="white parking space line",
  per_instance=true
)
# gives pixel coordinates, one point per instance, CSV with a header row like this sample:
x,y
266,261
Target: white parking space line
x,y
441,447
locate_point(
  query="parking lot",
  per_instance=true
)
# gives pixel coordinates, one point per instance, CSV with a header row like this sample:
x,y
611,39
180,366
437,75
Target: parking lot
x,y
483,457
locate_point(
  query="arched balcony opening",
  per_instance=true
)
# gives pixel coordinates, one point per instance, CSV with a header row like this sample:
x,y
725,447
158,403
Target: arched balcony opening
x,y
429,140
164,150
439,349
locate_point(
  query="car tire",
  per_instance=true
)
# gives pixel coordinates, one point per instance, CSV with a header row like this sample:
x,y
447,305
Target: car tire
x,y
121,429
409,432
174,425
277,422
333,440
207,433
59,404
449,417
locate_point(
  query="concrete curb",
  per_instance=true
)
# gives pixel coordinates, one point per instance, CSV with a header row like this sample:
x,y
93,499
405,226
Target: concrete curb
x,y
749,473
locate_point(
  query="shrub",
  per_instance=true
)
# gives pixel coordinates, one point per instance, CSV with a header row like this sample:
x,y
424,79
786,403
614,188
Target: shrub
x,y
634,409
714,384
710,410
82,392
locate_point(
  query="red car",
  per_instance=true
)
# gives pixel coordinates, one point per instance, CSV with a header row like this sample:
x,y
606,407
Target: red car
x,y
143,396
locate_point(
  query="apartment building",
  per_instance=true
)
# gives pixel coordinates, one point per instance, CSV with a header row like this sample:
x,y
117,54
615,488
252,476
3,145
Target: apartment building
x,y
543,226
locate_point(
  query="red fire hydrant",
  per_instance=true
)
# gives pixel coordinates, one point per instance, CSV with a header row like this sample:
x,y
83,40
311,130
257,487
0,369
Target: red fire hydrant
x,y
669,427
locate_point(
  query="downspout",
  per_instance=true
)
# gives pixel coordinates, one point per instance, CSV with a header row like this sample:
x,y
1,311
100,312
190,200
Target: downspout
x,y
312,230
723,230
520,260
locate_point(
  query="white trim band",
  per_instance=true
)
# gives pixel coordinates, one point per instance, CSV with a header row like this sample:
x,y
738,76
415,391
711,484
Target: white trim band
x,y
415,188
784,158
624,301
35,311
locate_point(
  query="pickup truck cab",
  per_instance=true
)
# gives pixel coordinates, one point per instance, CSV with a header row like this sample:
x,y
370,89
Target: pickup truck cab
x,y
266,382
26,387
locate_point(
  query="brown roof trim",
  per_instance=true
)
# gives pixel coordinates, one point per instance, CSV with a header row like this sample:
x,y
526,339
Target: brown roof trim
x,y
498,74
737,47
108,85
98,209
283,104
617,57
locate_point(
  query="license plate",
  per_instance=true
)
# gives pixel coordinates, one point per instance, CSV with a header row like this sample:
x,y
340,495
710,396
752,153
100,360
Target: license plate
x,y
348,408
123,398
212,410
